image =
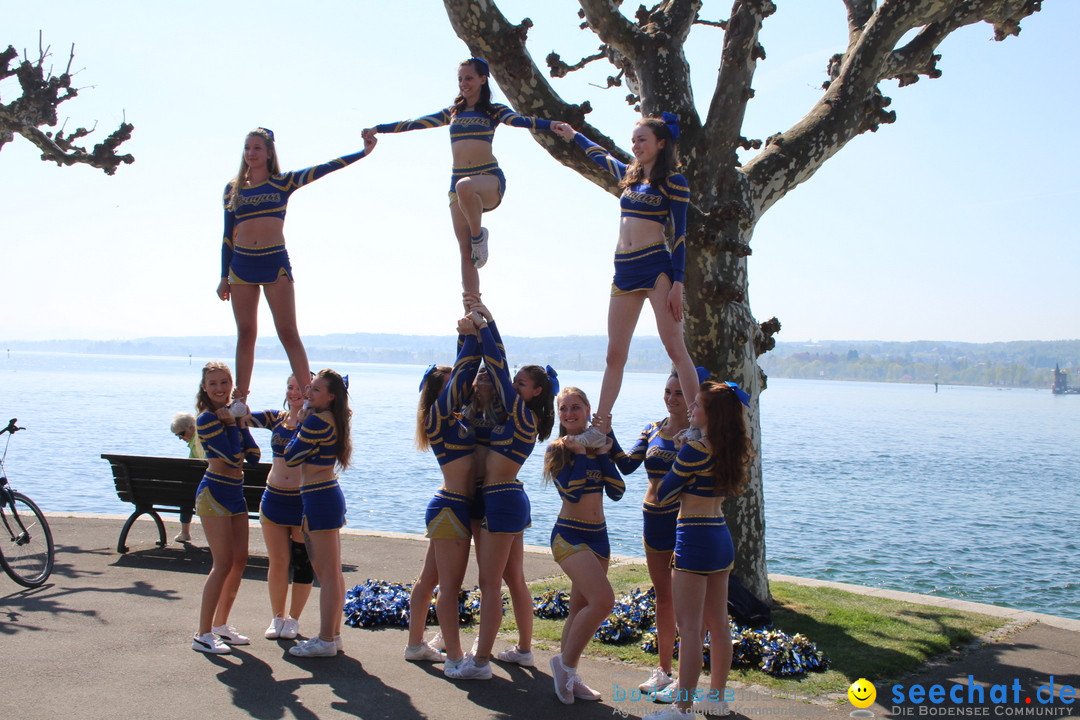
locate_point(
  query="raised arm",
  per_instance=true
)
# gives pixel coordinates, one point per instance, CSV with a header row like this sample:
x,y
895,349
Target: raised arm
x,y
600,156
508,117
691,460
438,119
314,431
298,178
570,480
220,441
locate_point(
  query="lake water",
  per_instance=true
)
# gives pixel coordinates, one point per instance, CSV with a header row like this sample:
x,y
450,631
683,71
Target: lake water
x,y
968,492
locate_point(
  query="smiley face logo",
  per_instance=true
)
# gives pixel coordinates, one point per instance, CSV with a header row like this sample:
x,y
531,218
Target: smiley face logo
x,y
862,693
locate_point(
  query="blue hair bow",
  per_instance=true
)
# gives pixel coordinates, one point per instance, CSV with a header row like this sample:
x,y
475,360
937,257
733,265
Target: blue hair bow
x,y
424,378
702,374
672,122
554,378
744,397
485,70
345,380
268,131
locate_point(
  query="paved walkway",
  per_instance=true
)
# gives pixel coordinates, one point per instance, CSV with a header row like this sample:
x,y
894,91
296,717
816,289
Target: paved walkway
x,y
108,637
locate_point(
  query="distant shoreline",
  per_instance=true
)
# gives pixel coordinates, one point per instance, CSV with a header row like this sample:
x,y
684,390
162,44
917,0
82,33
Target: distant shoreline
x,y
1015,364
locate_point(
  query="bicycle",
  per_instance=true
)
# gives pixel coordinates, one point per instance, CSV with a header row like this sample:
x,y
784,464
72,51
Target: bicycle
x,y
26,543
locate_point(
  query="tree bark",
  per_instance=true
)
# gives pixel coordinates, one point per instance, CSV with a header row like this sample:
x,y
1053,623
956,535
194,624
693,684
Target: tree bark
x,y
727,199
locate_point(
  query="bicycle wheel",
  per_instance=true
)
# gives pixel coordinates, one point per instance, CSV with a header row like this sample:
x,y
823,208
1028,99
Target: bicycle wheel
x,y
26,544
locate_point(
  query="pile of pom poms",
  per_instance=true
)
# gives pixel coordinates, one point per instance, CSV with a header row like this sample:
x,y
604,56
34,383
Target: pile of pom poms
x,y
769,649
378,603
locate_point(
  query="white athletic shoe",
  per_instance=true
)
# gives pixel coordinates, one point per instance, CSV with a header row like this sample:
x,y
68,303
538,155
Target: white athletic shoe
x,y
592,438
423,653
209,643
229,635
467,669
712,707
273,631
290,628
314,647
581,690
513,655
480,250
657,681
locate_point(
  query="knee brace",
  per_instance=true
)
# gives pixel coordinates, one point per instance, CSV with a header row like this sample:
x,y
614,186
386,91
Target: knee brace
x,y
301,565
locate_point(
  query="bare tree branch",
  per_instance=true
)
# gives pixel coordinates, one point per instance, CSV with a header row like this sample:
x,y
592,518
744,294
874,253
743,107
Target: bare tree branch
x,y
42,93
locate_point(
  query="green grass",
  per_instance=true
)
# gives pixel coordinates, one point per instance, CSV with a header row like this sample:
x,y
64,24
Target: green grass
x,y
862,636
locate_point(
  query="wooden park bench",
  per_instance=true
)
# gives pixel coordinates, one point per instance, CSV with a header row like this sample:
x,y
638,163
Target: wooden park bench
x,y
162,484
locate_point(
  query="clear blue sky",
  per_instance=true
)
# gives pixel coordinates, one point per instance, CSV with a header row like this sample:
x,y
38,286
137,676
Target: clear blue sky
x,y
951,223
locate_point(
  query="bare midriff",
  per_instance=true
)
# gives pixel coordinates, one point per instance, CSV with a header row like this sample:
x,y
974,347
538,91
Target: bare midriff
x,y
471,152
637,233
698,505
283,476
260,232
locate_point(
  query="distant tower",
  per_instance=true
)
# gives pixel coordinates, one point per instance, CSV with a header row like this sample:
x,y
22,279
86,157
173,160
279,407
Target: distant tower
x,y
1061,380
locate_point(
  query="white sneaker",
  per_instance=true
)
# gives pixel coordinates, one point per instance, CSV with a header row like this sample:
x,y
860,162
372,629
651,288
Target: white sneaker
x,y
475,645
581,690
273,631
564,681
712,707
290,628
209,643
669,694
182,537
237,408
592,438
513,655
437,641
229,635
423,653
480,250
339,644
314,647
657,681
467,669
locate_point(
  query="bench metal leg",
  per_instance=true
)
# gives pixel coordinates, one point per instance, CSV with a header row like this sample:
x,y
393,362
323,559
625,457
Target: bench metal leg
x,y
122,548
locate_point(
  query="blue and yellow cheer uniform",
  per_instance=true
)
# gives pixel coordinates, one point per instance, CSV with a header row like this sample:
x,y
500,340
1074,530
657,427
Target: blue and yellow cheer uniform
x,y
506,506
447,515
639,269
470,125
702,542
315,443
279,506
264,265
586,475
657,452
222,494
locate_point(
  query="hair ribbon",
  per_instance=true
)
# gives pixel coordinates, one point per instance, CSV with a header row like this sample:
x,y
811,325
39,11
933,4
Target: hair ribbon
x,y
484,69
345,379
672,122
744,397
554,378
427,372
702,374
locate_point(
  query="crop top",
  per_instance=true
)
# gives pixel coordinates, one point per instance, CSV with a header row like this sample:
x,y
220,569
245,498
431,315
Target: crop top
x,y
586,475
653,448
692,473
468,124
226,442
270,198
646,201
315,442
515,437
450,437
280,432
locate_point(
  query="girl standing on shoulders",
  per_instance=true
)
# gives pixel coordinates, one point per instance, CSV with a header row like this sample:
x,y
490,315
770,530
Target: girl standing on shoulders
x,y
476,182
281,514
322,444
528,401
706,472
656,448
253,254
579,540
653,193
222,510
